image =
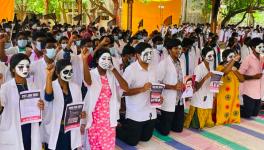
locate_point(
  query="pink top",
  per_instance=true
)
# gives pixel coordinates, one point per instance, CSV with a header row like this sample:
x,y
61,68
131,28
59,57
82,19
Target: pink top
x,y
251,66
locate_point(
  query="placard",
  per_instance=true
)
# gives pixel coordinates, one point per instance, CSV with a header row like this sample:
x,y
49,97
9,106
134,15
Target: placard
x,y
29,110
155,94
215,81
72,116
189,82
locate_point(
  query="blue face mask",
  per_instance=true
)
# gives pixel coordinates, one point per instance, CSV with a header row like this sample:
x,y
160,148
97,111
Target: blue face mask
x,y
90,49
78,43
8,45
22,43
51,52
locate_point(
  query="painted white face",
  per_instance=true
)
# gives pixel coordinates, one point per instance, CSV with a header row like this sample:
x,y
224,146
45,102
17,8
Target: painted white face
x,y
230,57
105,61
146,55
66,73
22,68
209,56
260,48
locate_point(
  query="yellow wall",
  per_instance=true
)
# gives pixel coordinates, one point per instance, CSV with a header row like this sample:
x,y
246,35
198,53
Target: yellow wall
x,y
150,13
7,9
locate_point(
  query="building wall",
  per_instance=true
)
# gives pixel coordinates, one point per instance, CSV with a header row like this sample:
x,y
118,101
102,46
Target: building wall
x,y
7,9
152,14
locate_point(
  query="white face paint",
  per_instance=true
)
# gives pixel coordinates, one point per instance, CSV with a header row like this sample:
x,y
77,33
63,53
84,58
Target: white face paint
x,y
209,56
260,48
146,55
22,68
230,57
105,61
66,73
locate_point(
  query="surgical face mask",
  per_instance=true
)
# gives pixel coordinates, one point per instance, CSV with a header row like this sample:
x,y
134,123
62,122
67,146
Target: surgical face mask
x,y
8,45
105,61
63,46
7,29
160,47
260,48
195,44
22,43
22,68
230,57
58,37
90,49
120,35
146,55
112,51
39,46
38,28
51,52
145,38
69,29
62,29
78,43
139,37
66,73
116,38
210,56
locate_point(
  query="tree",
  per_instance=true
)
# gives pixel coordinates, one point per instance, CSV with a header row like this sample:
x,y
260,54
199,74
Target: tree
x,y
215,10
234,7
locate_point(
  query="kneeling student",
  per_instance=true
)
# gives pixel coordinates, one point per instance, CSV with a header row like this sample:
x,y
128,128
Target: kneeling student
x,y
170,73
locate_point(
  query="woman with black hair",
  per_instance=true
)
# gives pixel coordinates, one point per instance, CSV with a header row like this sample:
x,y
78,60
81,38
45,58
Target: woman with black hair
x,y
228,104
13,135
200,113
102,100
60,91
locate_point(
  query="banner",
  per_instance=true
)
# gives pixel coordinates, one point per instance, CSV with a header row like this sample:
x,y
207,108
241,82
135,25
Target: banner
x,y
7,8
189,82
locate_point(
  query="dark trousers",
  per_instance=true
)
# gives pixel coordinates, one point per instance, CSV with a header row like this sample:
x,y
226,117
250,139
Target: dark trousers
x,y
167,121
251,107
64,140
131,132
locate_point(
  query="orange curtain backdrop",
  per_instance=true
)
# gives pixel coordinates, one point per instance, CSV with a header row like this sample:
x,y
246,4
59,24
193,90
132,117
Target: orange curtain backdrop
x,y
152,14
7,8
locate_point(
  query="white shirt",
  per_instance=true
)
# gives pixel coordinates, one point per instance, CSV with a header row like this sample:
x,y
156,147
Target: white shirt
x,y
194,56
202,98
158,56
10,126
167,74
138,106
4,70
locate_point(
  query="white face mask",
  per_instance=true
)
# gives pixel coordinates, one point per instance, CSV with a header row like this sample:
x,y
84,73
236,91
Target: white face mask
x,y
22,68
260,48
63,46
195,44
146,55
230,57
210,56
105,61
160,47
69,29
66,73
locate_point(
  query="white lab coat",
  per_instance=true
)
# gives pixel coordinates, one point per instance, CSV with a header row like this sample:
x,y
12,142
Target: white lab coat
x,y
56,115
167,74
10,126
93,94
